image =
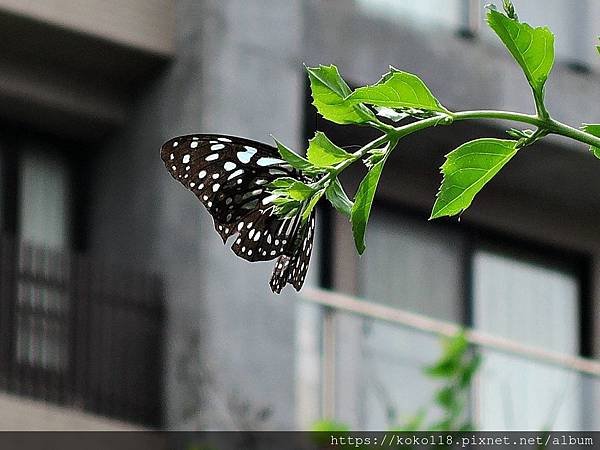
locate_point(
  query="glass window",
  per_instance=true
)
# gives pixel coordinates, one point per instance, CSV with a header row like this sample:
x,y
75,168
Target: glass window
x,y
569,20
43,199
446,12
534,305
42,290
411,265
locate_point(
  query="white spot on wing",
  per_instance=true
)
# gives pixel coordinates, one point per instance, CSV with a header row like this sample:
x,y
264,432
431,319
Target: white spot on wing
x,y
268,161
269,199
186,159
212,157
202,174
237,173
194,144
224,139
246,156
229,166
217,147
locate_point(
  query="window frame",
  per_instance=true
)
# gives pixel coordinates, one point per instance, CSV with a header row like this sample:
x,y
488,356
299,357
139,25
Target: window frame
x,y
13,140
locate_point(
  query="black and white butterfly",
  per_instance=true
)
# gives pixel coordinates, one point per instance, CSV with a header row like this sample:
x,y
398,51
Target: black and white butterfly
x,y
230,176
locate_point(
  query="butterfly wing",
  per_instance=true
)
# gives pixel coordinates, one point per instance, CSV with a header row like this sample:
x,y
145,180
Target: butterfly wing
x,y
293,269
229,175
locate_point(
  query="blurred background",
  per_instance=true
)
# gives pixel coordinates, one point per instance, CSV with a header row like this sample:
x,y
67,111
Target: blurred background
x,y
121,309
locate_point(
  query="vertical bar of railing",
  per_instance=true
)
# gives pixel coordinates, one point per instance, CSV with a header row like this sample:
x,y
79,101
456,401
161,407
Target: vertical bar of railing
x,y
70,389
155,296
82,357
328,391
7,300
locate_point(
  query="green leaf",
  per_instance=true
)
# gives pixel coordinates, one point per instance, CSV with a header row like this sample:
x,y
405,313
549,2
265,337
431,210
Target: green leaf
x,y
509,9
469,371
338,198
363,201
595,130
299,191
532,48
282,183
329,92
446,397
398,89
324,153
329,425
311,204
445,368
467,169
293,159
290,194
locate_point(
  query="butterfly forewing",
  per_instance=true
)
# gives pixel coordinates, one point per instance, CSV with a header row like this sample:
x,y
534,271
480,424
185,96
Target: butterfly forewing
x,y
230,175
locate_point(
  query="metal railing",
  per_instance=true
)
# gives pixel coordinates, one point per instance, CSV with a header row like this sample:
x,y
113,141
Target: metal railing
x,y
581,374
77,332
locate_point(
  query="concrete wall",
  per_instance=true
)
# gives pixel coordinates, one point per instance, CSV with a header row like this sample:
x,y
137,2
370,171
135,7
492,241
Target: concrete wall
x,y
229,78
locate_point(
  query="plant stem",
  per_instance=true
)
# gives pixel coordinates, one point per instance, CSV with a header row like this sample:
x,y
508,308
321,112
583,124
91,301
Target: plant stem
x,y
573,133
502,115
550,125
381,140
394,134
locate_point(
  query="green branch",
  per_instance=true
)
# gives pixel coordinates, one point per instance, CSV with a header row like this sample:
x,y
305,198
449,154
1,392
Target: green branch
x,y
398,96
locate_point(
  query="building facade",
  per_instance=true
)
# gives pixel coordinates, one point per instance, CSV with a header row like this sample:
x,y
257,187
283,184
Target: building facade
x,y
92,89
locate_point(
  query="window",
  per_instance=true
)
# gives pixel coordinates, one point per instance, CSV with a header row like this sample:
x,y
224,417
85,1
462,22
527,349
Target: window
x,y
44,197
40,214
534,304
570,20
410,260
411,265
531,297
445,12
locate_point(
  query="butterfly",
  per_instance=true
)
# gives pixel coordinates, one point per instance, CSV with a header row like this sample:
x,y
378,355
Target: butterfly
x,y
231,176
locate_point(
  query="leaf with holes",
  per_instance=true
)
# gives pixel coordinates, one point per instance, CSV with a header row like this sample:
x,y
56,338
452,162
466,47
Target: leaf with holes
x,y
532,48
398,89
467,169
329,92
363,202
595,130
234,178
324,153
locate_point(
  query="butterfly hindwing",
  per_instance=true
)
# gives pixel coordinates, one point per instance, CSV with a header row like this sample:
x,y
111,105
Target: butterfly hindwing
x,y
230,175
293,269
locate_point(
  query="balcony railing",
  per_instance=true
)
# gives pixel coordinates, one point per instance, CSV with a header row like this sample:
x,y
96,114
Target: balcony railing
x,y
372,356
80,333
